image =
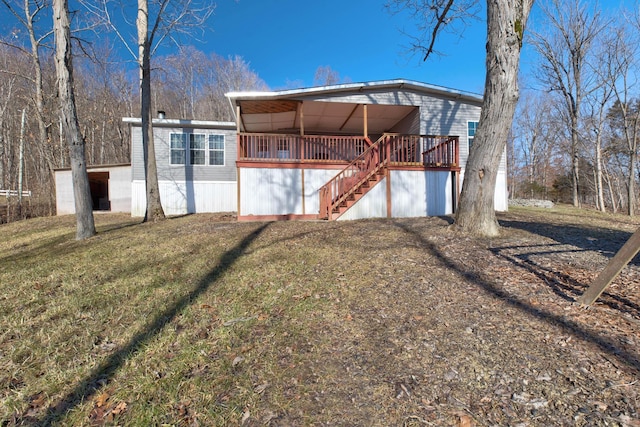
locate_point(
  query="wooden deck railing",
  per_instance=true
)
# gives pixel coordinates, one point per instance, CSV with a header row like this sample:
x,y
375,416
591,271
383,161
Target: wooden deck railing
x,y
396,149
441,151
427,150
309,148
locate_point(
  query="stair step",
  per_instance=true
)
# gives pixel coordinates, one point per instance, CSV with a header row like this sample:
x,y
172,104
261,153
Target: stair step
x,y
357,191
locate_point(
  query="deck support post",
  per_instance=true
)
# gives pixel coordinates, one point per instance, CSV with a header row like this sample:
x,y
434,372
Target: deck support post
x,y
366,124
301,111
238,187
387,175
304,208
302,144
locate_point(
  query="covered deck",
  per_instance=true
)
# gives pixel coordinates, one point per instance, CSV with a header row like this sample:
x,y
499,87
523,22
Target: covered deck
x,y
321,153
396,150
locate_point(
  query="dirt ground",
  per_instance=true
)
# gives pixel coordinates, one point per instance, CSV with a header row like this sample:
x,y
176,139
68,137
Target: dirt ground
x,y
460,331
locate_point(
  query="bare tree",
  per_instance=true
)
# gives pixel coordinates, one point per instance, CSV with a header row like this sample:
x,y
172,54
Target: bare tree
x,y
229,75
85,226
145,40
7,88
28,14
564,49
529,132
506,21
619,67
325,76
156,21
31,15
597,103
432,17
103,96
191,84
179,80
537,133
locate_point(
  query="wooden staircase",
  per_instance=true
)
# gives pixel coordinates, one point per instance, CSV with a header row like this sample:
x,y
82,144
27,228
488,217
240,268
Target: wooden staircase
x,y
357,192
353,182
392,150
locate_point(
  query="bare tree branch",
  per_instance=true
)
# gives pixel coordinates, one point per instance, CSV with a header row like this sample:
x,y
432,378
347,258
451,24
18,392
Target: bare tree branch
x,y
441,19
433,17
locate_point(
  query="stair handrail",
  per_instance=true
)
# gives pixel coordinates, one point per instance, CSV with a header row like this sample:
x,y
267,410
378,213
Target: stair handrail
x,y
340,186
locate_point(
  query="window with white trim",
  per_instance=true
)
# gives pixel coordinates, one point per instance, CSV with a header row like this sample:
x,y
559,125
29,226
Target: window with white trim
x,y
471,133
216,150
197,149
178,147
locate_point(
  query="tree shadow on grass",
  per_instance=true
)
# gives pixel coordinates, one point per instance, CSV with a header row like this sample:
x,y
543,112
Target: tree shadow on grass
x,y
62,243
88,386
562,284
587,238
629,358
569,238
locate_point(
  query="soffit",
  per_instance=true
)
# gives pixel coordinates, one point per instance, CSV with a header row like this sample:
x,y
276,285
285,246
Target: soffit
x,y
319,116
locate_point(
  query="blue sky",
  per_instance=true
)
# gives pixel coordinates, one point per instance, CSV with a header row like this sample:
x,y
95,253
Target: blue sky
x,y
285,41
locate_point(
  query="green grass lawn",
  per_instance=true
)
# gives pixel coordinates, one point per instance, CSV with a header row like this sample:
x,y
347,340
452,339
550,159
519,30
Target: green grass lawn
x,y
148,324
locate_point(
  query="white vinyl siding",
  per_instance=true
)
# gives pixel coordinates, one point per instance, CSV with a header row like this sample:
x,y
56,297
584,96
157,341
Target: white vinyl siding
x,y
180,198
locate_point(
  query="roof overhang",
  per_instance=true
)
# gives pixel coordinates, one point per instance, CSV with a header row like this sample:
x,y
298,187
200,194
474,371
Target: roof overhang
x,y
180,123
328,109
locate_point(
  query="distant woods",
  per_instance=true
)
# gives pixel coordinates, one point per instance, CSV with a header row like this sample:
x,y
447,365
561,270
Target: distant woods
x,y
189,84
575,133
192,84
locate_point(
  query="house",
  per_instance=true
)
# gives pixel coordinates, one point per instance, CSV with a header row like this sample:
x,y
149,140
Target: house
x,y
110,189
392,148
196,163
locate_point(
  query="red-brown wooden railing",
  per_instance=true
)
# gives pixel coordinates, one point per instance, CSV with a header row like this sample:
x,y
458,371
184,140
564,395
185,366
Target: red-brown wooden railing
x,y
441,151
297,148
350,178
427,150
398,150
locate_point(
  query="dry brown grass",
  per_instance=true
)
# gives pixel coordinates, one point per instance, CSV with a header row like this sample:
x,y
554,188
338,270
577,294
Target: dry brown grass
x,y
200,320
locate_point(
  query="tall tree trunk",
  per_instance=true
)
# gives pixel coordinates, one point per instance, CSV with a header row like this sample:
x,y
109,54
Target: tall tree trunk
x,y
506,20
21,162
30,17
39,86
631,185
85,226
612,197
154,206
575,165
598,172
